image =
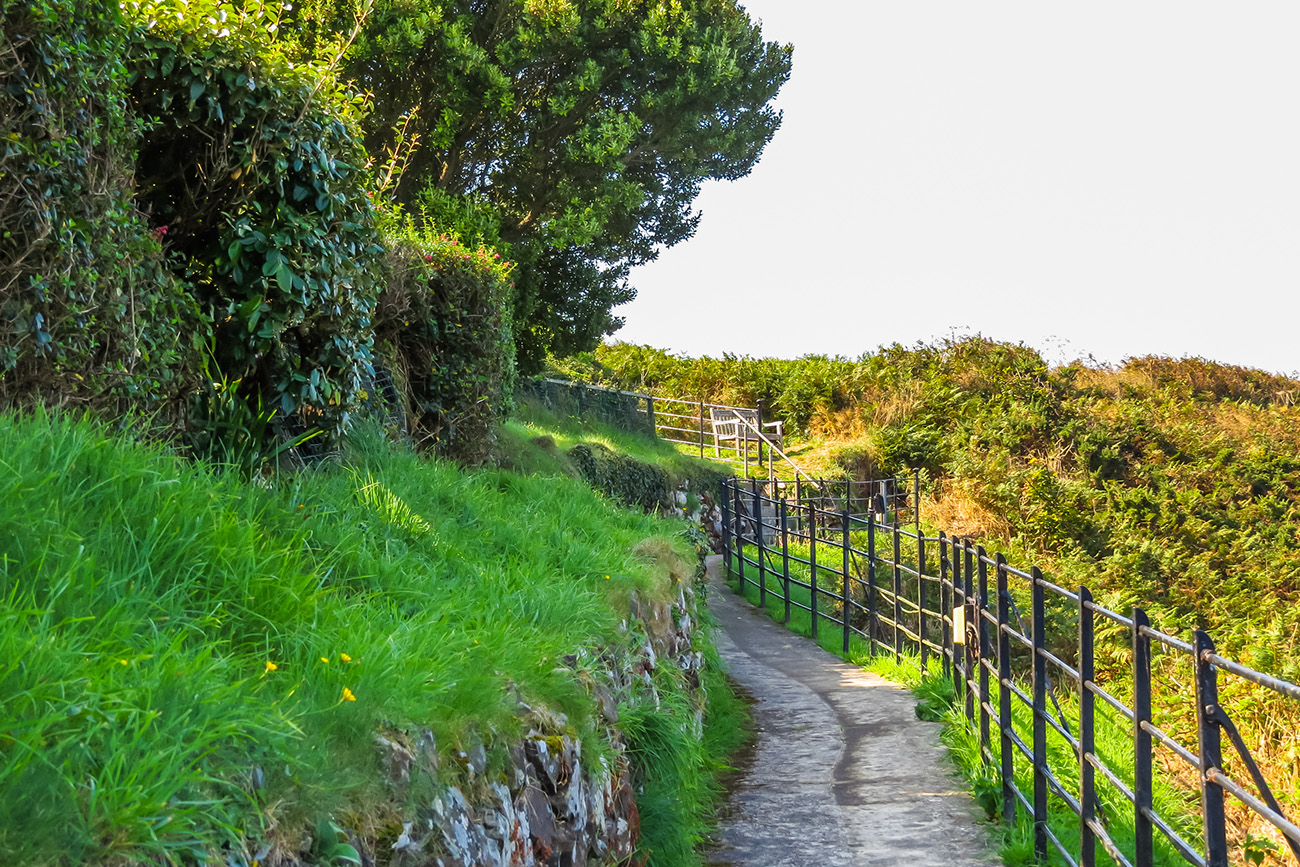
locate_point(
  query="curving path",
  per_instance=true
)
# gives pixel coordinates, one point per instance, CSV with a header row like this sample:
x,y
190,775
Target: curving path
x,y
844,774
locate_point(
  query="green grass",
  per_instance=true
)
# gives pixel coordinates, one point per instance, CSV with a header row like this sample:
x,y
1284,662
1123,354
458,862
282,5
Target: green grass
x,y
677,803
180,649
531,421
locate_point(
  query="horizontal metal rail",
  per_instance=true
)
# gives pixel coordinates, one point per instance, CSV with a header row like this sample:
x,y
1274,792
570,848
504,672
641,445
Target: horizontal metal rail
x,y
948,600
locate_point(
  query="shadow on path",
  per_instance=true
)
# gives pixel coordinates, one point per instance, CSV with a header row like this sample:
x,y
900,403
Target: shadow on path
x,y
843,773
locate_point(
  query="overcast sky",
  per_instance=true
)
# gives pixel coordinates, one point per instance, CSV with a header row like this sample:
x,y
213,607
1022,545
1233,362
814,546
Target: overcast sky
x,y
1104,178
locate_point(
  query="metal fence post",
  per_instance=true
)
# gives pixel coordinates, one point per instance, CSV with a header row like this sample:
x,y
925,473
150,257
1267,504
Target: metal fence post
x,y
1040,718
650,410
1087,734
798,502
916,499
785,559
1211,753
701,430
1006,747
968,572
758,424
1142,795
873,602
898,595
945,608
959,672
812,572
740,539
845,599
726,531
983,631
920,597
758,542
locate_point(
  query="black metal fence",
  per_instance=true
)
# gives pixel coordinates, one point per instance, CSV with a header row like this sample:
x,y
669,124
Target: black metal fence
x,y
1039,689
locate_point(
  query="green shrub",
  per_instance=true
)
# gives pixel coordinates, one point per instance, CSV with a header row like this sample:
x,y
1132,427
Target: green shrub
x,y
444,325
89,312
252,169
625,480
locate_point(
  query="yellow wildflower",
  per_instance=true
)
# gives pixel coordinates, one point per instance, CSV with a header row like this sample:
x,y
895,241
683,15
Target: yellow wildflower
x,y
271,666
123,662
345,657
325,659
347,695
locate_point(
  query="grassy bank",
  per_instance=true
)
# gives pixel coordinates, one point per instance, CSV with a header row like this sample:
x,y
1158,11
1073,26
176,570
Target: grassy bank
x,y
189,662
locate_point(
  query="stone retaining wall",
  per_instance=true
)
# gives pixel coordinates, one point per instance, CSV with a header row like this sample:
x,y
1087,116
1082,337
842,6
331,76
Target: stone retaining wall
x,y
549,808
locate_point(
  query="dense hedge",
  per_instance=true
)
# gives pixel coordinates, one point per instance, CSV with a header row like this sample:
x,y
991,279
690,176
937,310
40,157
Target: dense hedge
x,y
88,312
190,222
444,328
253,168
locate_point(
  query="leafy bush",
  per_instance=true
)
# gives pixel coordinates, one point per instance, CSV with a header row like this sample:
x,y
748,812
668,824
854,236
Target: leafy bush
x,y
626,480
252,167
88,312
444,325
1168,482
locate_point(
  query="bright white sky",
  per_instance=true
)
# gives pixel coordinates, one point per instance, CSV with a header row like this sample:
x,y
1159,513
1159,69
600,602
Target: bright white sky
x,y
1107,178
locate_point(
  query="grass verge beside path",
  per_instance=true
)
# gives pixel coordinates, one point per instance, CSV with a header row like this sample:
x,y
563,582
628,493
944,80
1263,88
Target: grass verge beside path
x,y
189,661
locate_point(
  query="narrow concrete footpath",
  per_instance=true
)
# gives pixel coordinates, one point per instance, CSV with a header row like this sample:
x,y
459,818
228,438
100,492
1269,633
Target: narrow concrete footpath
x,y
844,774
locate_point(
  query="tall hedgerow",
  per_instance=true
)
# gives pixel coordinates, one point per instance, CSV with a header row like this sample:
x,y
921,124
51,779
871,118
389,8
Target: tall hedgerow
x,y
252,170
444,327
88,312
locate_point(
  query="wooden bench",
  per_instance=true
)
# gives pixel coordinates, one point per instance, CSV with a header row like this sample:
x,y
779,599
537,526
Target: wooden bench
x,y
737,426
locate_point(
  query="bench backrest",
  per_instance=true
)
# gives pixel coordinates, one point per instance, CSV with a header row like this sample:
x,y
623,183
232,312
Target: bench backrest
x,y
728,421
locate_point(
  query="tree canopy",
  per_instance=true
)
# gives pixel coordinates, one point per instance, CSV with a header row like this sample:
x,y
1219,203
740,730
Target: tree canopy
x,y
585,126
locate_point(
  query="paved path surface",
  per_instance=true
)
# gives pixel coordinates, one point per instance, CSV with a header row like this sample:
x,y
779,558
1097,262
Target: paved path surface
x,y
844,774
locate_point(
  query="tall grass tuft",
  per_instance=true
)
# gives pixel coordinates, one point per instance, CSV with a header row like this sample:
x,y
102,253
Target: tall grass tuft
x,y
189,661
